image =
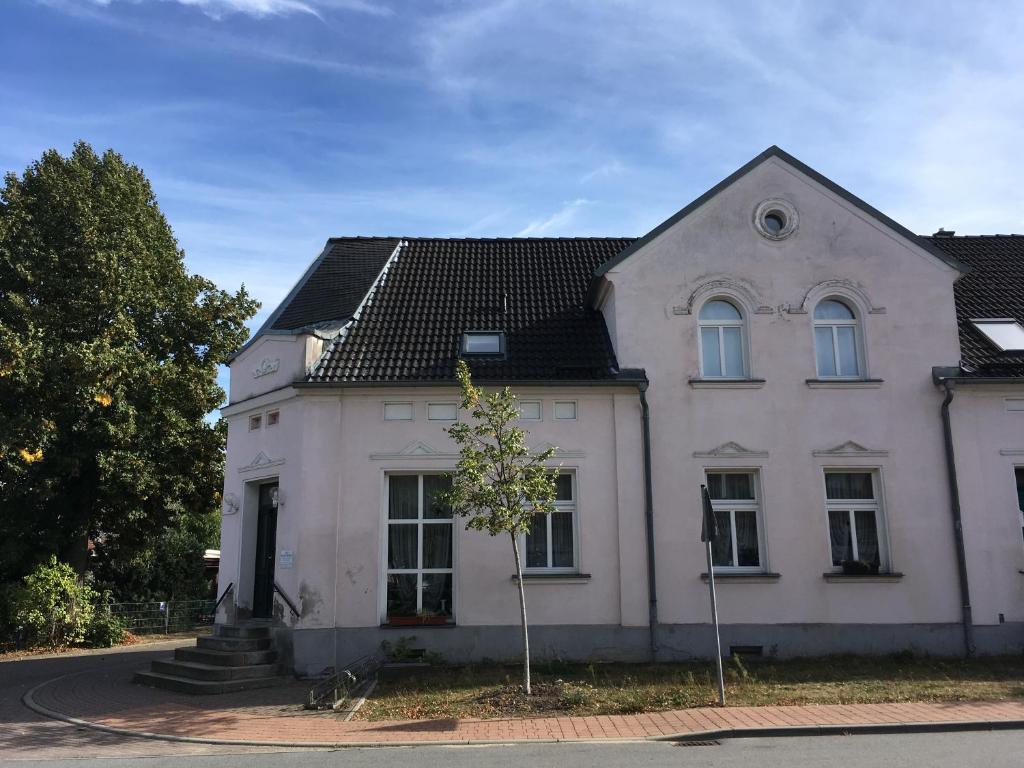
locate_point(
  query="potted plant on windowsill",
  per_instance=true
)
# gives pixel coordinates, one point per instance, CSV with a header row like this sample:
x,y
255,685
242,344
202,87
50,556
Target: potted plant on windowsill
x,y
859,568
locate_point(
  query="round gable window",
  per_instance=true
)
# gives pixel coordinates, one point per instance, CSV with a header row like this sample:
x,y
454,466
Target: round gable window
x,y
775,219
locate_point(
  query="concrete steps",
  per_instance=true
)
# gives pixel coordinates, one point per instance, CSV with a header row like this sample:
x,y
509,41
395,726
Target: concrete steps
x,y
237,657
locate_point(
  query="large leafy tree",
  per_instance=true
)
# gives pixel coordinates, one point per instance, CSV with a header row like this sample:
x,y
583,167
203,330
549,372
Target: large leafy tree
x,y
499,485
108,360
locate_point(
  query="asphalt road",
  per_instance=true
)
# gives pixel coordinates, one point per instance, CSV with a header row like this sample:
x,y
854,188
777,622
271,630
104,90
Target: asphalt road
x,y
1002,749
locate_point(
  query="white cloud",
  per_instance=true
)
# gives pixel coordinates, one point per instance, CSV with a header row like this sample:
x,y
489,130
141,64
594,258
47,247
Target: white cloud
x,y
218,9
557,223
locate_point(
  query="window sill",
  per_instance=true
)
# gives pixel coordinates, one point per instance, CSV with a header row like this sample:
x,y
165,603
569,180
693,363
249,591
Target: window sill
x,y
698,383
844,383
751,577
415,625
553,578
835,577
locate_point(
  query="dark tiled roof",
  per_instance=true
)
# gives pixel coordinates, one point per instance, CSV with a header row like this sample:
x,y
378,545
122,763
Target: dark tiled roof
x,y
532,289
993,288
336,282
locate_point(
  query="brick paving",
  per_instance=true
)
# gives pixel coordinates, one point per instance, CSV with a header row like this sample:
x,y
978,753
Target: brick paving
x,y
25,735
107,697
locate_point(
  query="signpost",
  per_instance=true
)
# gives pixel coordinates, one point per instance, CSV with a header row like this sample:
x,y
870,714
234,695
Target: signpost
x,y
708,533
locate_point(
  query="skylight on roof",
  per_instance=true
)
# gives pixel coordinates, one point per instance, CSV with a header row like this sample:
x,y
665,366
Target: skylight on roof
x,y
1006,333
483,343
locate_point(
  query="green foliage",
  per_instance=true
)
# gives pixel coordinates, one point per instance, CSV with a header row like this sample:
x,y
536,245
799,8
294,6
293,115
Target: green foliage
x,y
108,360
167,567
55,607
498,484
105,629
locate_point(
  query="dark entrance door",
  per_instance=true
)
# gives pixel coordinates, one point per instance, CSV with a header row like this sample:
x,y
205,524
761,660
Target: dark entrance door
x,y
266,545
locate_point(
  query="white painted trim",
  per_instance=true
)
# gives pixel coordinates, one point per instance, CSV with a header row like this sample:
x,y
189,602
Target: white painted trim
x,y
260,461
730,450
849,449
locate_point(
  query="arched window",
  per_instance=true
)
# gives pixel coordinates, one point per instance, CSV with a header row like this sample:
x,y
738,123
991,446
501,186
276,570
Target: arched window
x,y
721,341
836,346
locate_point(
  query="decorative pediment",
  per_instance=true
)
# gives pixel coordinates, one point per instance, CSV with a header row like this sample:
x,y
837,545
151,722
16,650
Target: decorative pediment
x,y
560,453
261,461
725,286
819,290
730,450
417,449
850,448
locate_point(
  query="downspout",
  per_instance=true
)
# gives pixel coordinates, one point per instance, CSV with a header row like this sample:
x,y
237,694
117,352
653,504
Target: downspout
x,y
652,591
958,529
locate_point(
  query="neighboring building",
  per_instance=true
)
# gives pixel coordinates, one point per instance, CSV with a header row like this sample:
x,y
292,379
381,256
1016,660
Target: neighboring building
x,y
784,342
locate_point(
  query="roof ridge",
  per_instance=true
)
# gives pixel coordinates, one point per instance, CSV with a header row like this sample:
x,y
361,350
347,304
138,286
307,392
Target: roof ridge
x,y
965,237
574,238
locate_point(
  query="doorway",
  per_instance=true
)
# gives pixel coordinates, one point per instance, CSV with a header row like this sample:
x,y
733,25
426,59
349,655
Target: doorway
x,y
266,547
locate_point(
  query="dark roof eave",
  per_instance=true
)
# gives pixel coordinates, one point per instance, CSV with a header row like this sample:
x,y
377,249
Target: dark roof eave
x,y
942,374
624,379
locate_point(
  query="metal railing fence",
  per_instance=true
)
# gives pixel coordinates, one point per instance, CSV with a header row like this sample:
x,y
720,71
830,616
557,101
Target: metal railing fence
x,y
164,617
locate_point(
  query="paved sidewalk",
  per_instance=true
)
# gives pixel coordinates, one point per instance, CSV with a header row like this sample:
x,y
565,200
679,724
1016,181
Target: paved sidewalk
x,y
107,698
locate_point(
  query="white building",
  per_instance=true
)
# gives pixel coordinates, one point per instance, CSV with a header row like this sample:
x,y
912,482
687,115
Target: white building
x,y
778,339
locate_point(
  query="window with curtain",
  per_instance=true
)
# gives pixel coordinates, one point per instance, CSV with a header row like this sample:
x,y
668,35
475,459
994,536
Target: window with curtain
x,y
836,346
734,498
550,544
721,341
854,520
419,544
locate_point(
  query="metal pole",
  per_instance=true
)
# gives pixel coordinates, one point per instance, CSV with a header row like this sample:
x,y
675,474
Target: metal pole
x,y
714,620
167,617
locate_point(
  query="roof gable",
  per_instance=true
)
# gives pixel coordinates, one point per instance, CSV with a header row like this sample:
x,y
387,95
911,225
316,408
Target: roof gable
x,y
776,152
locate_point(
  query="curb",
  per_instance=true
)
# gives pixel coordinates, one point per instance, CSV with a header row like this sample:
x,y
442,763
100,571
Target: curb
x,y
721,733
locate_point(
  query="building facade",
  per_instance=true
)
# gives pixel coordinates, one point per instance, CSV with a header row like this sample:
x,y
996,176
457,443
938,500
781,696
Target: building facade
x,y
827,374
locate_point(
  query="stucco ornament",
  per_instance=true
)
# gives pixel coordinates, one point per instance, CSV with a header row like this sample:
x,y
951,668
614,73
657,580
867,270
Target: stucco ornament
x,y
231,504
266,366
776,219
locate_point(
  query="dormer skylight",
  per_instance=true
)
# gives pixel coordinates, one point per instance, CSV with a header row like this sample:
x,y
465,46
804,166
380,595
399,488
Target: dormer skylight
x,y
1005,333
483,343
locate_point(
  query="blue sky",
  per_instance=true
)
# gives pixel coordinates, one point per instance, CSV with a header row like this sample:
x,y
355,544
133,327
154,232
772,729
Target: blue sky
x,y
268,125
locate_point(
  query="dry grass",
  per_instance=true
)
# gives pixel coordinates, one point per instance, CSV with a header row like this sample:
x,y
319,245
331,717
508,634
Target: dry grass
x,y
581,689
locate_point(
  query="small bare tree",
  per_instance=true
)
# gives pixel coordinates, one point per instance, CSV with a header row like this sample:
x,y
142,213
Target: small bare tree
x,y
499,485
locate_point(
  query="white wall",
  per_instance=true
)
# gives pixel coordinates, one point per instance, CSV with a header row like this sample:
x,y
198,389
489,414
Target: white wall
x,y
989,440
905,299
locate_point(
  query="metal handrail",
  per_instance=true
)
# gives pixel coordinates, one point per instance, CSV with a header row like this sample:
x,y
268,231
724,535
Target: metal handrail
x,y
287,600
220,599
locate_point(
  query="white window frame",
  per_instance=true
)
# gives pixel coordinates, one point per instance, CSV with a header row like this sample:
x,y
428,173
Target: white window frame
x,y
540,410
560,506
1014,330
499,336
273,418
255,422
387,403
419,522
575,410
851,507
741,505
721,325
450,403
834,325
